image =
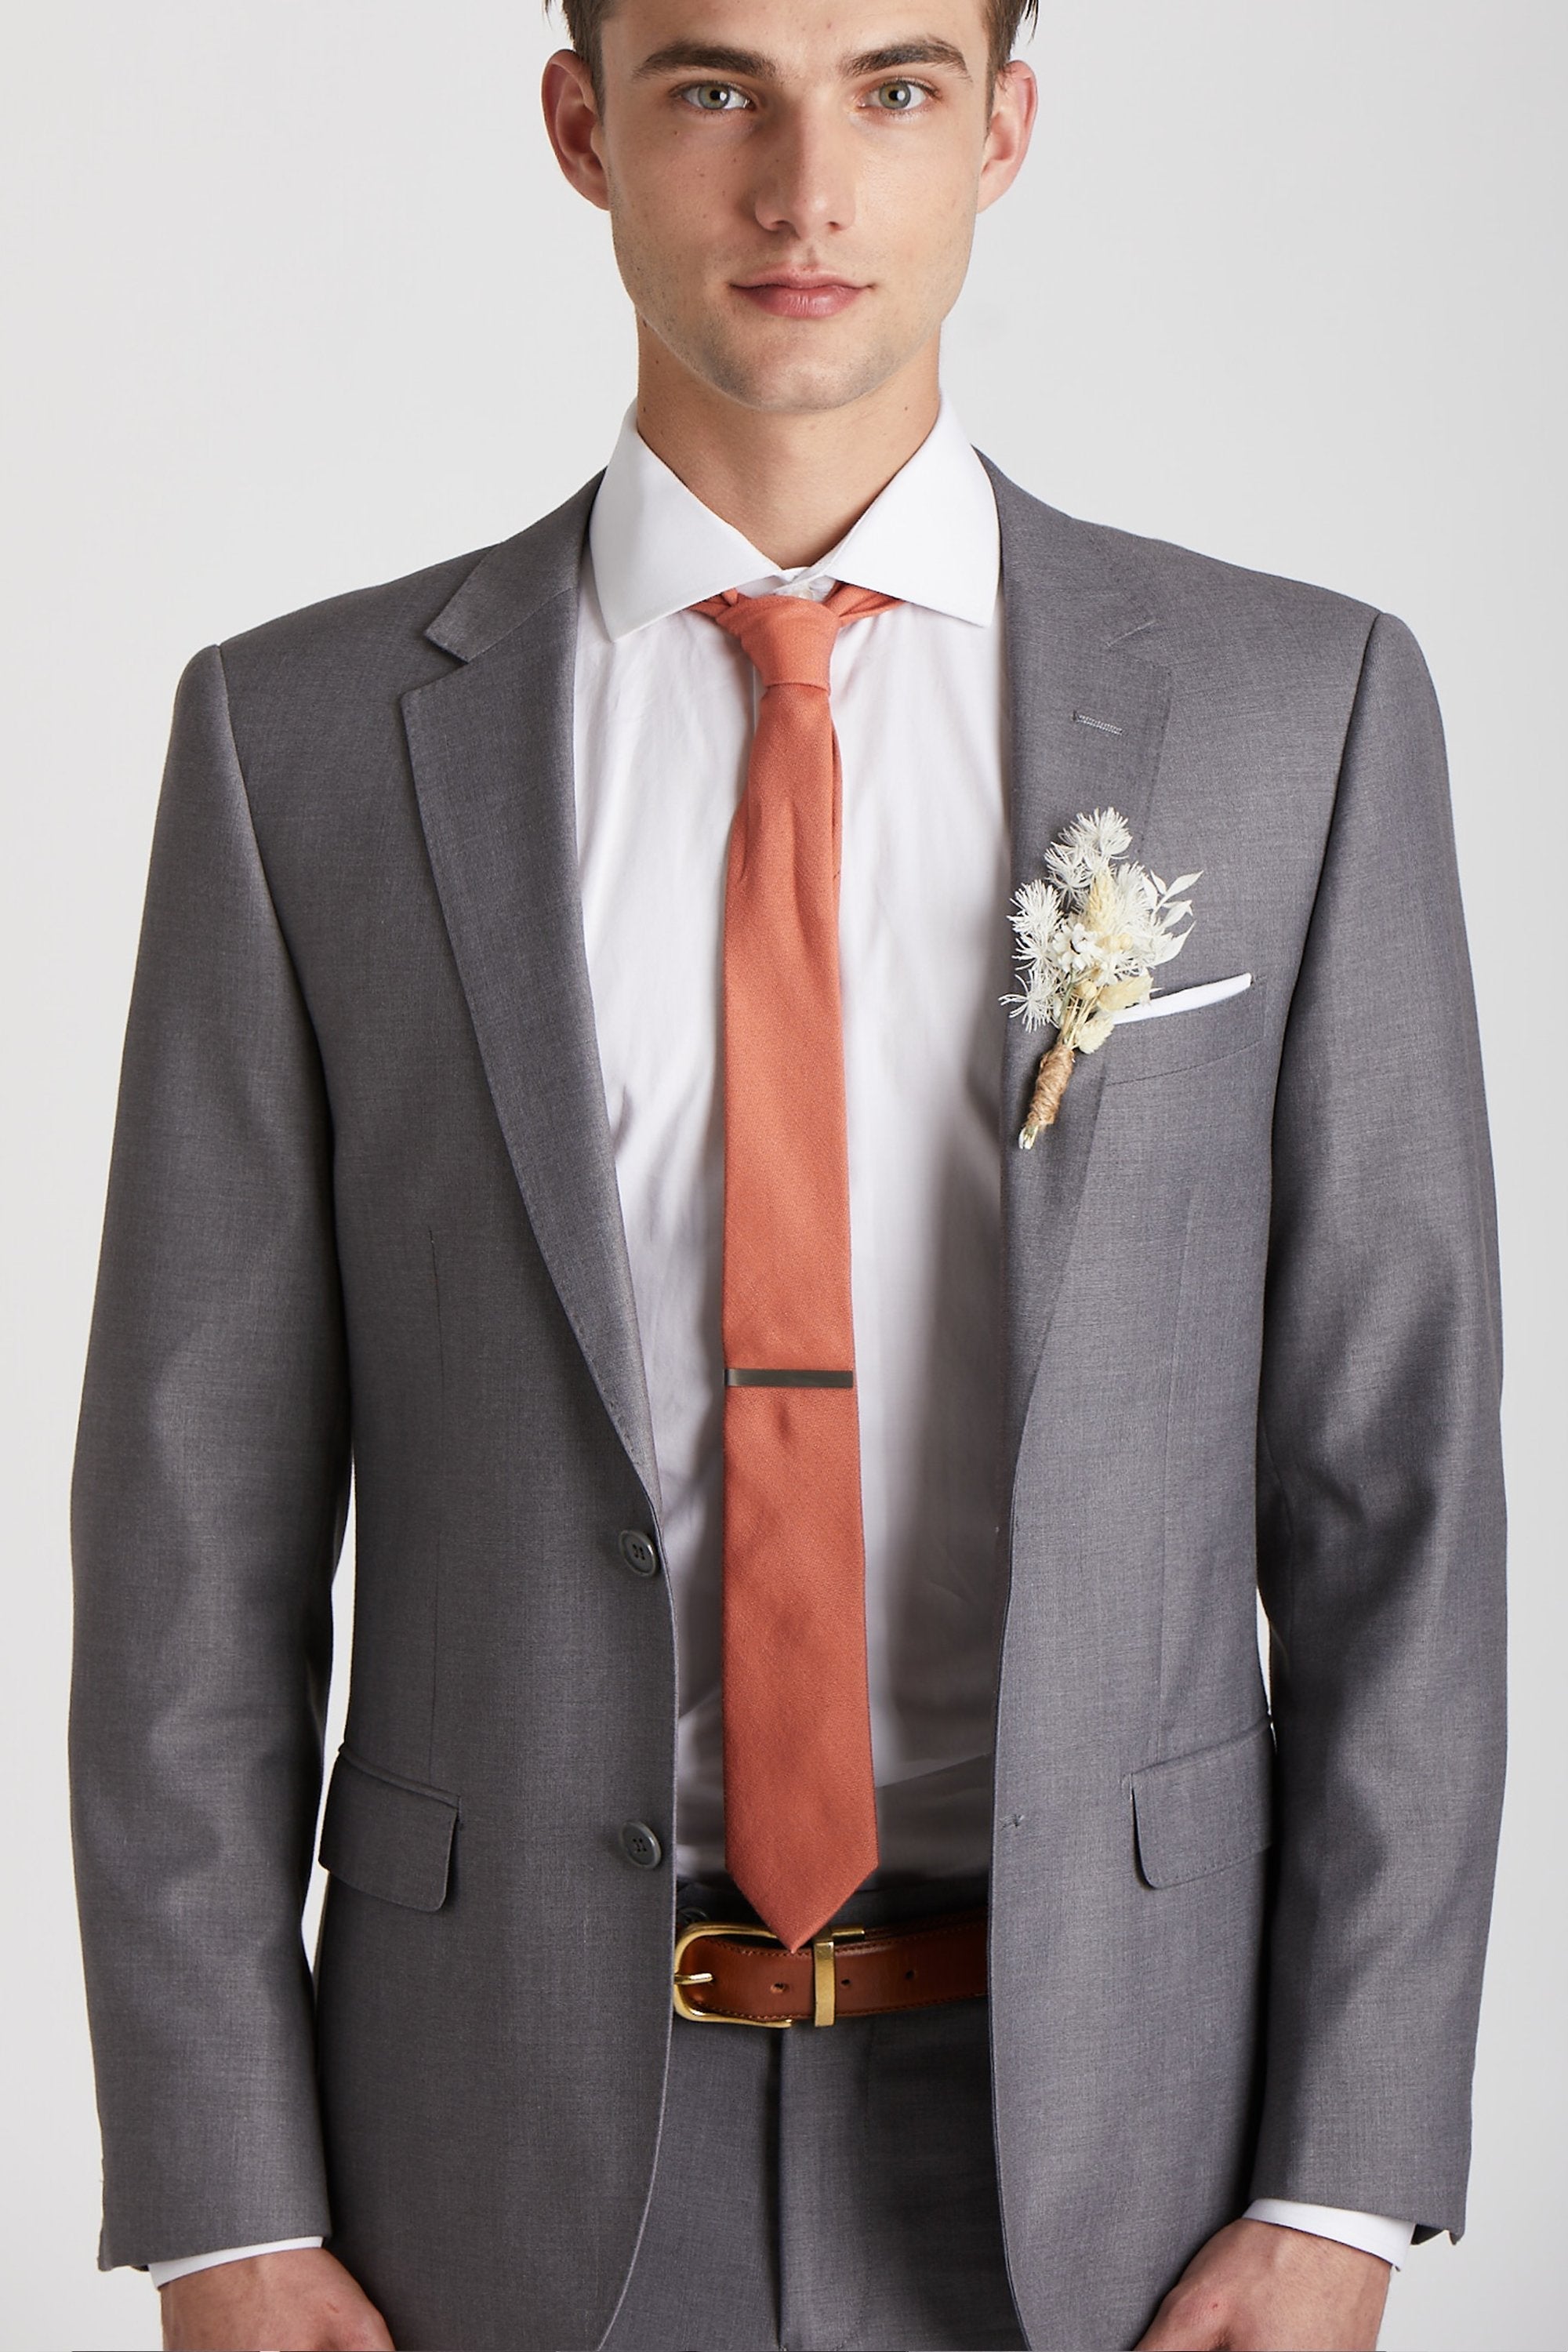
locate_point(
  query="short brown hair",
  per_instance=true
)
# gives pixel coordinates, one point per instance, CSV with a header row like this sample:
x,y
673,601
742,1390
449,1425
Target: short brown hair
x,y
584,17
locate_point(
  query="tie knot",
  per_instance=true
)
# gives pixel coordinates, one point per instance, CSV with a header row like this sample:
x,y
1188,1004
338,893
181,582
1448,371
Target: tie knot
x,y
790,639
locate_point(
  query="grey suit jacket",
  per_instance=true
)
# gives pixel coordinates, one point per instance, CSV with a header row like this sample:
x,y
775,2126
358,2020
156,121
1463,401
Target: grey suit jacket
x,y
363,1209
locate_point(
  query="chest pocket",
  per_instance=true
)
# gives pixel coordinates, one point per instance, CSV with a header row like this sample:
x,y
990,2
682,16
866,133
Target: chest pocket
x,y
1184,1041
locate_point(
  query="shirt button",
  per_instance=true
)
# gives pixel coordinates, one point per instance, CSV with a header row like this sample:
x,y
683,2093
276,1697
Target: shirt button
x,y
639,1845
639,1554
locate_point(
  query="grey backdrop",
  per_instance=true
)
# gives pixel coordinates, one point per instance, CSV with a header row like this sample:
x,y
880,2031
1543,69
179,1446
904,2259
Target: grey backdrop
x,y
1283,283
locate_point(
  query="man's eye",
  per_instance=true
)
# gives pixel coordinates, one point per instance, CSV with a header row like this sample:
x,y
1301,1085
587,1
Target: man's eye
x,y
899,97
714,97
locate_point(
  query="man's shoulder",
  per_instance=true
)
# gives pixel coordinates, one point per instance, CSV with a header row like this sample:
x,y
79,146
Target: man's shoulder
x,y
362,629
395,633
1208,611
1191,587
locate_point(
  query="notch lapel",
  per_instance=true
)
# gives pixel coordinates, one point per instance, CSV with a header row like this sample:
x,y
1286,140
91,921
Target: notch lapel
x,y
1080,649
491,745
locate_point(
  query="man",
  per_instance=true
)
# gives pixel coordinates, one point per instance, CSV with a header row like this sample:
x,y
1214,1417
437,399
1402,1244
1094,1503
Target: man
x,y
552,964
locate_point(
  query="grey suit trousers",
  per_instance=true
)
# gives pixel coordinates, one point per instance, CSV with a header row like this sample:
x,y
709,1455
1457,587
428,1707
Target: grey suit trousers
x,y
825,2189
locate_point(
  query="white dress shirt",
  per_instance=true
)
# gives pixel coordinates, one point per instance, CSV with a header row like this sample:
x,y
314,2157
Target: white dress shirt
x,y
665,709
664,705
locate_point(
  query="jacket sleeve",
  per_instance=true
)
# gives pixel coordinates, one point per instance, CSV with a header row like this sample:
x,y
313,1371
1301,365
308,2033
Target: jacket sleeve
x,y
1381,1506
207,1513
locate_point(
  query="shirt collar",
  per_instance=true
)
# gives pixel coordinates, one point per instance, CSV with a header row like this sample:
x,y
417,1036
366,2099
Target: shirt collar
x,y
930,538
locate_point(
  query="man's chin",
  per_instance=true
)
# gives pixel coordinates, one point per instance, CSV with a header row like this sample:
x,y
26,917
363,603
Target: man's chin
x,y
796,384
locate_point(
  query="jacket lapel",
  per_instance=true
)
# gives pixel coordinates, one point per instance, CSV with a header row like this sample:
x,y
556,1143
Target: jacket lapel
x,y
491,745
1089,690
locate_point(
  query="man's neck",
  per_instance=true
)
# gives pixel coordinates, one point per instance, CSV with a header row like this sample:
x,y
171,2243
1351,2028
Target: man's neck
x,y
791,483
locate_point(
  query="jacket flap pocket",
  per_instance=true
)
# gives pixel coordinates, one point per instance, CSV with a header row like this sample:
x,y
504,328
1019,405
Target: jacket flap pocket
x,y
1202,1812
387,1837
1185,1040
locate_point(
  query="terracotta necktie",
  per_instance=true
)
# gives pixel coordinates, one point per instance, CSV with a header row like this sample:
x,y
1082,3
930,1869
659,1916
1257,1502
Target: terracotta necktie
x,y
800,1819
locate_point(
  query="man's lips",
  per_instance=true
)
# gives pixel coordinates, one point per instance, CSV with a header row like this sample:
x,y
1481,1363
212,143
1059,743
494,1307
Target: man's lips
x,y
790,294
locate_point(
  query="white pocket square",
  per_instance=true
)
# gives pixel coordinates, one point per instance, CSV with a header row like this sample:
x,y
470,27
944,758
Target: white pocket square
x,y
1186,1000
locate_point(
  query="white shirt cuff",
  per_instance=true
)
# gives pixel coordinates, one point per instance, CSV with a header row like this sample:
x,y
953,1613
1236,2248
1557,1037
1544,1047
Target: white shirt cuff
x,y
161,2273
1372,2233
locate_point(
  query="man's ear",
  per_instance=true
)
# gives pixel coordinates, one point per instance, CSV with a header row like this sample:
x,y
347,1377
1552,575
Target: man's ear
x,y
1014,106
572,118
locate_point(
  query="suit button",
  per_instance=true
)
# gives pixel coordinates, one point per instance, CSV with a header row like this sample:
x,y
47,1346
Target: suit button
x,y
639,1554
639,1845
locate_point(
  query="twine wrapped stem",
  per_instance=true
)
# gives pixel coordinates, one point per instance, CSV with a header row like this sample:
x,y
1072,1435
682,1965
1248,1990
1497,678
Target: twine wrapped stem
x,y
1050,1085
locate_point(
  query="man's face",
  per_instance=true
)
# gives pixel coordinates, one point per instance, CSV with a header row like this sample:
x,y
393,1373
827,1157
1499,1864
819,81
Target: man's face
x,y
792,183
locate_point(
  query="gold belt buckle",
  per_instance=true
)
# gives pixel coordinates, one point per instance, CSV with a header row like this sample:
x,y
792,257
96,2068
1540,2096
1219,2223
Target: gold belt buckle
x,y
823,1982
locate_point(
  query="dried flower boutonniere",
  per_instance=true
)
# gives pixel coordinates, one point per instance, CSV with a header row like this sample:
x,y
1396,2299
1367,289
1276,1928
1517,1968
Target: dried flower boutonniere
x,y
1089,940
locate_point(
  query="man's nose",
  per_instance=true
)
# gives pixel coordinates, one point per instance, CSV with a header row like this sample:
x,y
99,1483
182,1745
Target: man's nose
x,y
805,181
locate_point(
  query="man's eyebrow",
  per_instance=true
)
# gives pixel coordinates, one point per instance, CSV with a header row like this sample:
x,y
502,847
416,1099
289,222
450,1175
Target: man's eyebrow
x,y
711,56
926,52
707,56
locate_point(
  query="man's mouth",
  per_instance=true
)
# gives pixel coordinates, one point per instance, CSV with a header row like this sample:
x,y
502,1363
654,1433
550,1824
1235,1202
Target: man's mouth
x,y
799,293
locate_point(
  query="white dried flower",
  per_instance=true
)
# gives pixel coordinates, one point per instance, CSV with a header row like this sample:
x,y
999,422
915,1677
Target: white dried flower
x,y
1089,941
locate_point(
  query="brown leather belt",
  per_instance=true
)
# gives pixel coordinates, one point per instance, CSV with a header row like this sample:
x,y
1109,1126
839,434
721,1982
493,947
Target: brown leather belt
x,y
734,1975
